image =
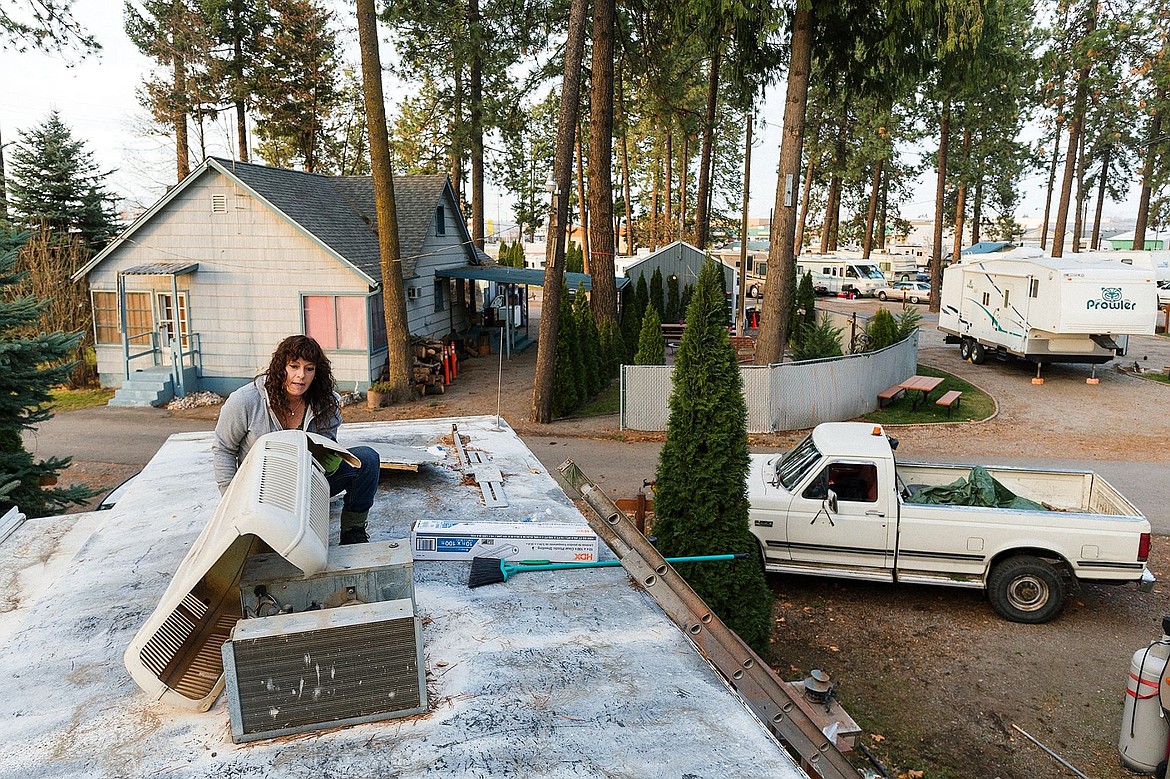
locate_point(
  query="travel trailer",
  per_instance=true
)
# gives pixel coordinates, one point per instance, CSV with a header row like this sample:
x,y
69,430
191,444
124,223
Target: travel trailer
x,y
1044,309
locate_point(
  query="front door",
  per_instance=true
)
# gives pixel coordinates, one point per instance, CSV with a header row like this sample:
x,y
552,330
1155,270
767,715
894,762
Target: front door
x,y
171,320
854,535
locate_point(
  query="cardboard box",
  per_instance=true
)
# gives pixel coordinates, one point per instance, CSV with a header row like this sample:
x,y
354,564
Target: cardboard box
x,y
439,540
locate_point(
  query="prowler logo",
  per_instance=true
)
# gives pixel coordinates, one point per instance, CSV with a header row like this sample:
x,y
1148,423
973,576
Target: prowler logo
x,y
1111,298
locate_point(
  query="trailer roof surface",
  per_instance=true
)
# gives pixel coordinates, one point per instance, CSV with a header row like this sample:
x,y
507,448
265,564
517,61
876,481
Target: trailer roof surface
x,y
554,674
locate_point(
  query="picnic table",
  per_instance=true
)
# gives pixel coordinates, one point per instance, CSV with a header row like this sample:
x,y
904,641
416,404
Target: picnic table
x,y
923,384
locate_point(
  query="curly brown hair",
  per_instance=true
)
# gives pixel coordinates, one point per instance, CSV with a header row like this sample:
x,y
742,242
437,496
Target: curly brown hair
x,y
320,395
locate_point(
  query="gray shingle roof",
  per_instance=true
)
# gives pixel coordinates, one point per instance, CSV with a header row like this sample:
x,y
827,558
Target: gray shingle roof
x,y
339,210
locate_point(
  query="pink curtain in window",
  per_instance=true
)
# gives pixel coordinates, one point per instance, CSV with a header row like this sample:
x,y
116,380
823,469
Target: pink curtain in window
x,y
320,323
351,323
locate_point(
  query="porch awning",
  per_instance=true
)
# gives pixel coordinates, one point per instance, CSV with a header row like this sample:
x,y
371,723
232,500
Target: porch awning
x,y
161,269
533,277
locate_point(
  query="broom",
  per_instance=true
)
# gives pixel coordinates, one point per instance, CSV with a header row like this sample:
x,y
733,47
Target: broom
x,y
493,570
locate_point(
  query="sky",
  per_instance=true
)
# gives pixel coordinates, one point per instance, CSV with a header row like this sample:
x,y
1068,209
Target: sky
x,y
96,97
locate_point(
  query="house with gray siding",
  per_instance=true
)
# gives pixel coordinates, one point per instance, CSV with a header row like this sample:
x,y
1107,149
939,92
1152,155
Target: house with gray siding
x,y
198,290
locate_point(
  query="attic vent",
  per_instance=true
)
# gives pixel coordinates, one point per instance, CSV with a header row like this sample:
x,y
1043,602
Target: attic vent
x,y
219,203
413,293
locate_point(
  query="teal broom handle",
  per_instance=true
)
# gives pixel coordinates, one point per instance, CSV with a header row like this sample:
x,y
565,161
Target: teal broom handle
x,y
534,565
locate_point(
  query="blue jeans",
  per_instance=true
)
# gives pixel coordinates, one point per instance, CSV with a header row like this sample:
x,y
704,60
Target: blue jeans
x,y
359,484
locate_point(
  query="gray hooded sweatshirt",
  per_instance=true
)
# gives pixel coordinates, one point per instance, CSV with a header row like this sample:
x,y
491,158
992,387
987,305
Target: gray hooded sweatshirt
x,y
244,418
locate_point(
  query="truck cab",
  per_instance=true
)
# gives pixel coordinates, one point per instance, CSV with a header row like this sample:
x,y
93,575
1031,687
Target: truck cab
x,y
828,506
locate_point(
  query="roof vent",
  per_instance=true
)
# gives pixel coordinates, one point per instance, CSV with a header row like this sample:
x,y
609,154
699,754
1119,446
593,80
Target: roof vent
x,y
219,203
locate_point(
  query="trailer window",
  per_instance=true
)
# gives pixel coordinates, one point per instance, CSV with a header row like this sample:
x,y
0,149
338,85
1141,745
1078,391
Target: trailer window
x,y
1034,288
986,298
795,465
1005,297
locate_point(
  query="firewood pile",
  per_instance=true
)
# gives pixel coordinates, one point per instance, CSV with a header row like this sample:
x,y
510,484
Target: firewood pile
x,y
431,365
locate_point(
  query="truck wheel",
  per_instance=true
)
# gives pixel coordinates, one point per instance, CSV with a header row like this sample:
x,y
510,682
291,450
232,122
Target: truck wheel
x,y
978,353
881,296
965,348
1026,589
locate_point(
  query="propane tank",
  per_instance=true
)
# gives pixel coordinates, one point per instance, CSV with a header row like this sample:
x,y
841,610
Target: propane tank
x,y
1145,730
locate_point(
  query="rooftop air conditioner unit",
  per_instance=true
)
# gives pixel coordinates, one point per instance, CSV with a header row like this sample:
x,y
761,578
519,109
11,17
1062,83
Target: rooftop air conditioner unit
x,y
307,671
278,501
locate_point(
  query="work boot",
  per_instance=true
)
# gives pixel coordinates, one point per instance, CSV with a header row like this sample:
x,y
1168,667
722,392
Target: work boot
x,y
353,527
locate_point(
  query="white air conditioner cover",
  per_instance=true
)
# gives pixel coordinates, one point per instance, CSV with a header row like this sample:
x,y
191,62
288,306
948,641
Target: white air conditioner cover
x,y
279,499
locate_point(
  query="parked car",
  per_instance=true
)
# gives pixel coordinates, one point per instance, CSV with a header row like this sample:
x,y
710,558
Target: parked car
x,y
914,291
1164,293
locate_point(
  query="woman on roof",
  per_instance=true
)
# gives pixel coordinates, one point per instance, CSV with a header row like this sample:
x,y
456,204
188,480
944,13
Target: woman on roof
x,y
296,393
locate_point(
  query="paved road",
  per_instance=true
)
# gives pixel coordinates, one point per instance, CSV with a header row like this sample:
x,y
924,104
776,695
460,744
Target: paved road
x,y
109,434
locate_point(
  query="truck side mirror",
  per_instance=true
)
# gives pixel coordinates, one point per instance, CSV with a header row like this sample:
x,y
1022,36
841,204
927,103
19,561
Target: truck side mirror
x,y
831,501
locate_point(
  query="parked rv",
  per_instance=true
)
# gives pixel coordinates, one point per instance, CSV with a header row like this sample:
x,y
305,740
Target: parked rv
x,y
1045,309
832,275
839,504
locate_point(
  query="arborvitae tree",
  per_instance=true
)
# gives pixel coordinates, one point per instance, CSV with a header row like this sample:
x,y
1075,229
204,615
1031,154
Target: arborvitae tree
x,y
818,341
882,330
642,297
651,343
574,258
657,293
673,300
517,252
29,367
502,254
613,350
688,293
803,315
590,345
631,323
53,181
566,392
701,503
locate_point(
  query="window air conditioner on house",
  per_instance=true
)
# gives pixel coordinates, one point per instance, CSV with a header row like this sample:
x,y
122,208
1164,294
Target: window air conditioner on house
x,y
278,501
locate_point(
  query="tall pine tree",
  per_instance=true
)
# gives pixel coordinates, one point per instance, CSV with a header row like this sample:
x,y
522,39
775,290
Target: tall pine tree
x,y
297,89
54,182
30,365
701,501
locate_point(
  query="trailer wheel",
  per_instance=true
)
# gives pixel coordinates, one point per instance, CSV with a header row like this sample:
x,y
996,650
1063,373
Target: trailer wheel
x,y
978,353
965,348
753,291
1026,589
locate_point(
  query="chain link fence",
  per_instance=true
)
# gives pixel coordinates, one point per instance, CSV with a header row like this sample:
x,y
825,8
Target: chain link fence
x,y
786,396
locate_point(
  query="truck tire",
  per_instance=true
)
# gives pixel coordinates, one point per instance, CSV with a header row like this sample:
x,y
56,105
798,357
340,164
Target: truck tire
x,y
1026,589
965,348
978,353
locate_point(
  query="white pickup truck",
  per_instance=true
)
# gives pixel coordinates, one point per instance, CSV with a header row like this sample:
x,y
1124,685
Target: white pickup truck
x,y
839,504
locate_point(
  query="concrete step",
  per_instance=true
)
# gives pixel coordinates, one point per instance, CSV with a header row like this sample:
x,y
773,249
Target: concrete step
x,y
144,389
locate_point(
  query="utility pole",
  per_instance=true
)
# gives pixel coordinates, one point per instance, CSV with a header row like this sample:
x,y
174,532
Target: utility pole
x,y
743,230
